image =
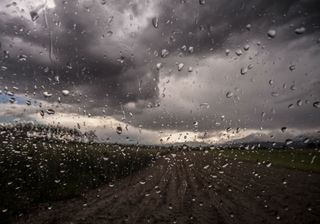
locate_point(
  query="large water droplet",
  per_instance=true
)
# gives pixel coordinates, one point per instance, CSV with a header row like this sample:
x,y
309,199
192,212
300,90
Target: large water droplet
x,y
121,59
159,65
289,142
272,33
155,22
34,15
65,92
243,71
204,105
180,66
164,53
238,52
46,94
292,67
23,57
229,94
57,78
300,30
119,130
316,104
202,2
109,33
50,111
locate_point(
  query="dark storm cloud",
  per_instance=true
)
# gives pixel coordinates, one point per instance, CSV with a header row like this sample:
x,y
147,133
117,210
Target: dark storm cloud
x,y
213,24
108,70
111,77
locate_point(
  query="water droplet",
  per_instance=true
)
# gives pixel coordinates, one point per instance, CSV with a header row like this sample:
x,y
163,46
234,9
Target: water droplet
x,y
180,66
272,33
191,49
50,111
300,30
34,15
164,53
65,92
246,47
316,104
4,68
299,103
46,94
57,78
289,142
292,67
119,130
292,87
206,167
229,94
155,22
238,52
204,105
69,65
268,164
10,93
109,33
159,65
23,57
202,2
250,66
121,59
243,71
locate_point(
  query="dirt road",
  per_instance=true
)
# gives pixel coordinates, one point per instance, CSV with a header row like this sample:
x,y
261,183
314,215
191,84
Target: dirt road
x,y
195,188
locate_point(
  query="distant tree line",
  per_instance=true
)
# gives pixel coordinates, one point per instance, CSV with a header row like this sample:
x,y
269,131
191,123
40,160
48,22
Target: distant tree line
x,y
31,130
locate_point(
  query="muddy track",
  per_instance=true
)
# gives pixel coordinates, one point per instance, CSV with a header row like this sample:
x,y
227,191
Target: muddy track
x,y
195,188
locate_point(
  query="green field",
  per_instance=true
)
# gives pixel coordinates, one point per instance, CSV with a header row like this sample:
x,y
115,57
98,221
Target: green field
x,y
300,159
34,171
37,171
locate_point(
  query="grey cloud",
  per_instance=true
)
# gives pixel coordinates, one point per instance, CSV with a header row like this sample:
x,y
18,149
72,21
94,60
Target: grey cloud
x,y
133,80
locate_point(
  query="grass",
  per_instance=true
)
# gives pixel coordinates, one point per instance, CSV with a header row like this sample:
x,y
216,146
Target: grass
x,y
299,159
33,171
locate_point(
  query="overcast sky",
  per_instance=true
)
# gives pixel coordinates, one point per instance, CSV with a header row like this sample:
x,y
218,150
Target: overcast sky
x,y
176,70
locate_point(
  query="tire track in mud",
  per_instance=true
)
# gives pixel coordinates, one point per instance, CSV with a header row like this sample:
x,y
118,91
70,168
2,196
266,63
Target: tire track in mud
x,y
192,187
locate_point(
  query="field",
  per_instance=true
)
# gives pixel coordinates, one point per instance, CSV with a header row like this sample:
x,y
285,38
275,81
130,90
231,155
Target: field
x,y
34,171
65,182
299,159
